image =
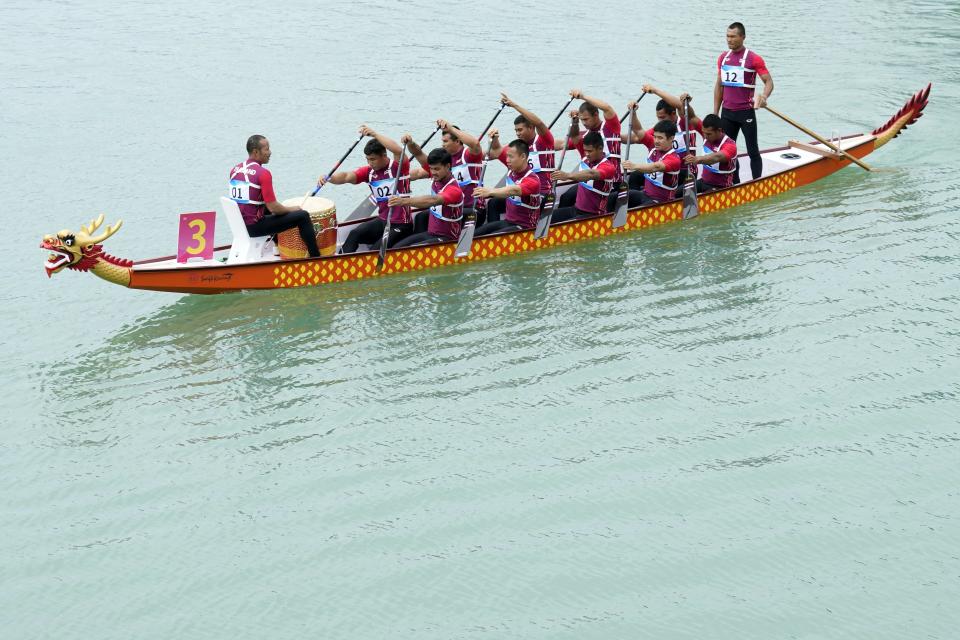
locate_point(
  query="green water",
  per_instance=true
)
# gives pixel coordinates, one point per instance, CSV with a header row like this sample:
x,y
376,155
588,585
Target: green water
x,y
741,426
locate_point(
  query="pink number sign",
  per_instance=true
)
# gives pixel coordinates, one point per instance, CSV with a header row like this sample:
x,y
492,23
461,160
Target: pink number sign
x,y
196,235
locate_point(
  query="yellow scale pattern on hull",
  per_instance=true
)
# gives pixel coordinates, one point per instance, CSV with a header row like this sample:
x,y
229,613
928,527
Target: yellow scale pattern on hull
x,y
419,258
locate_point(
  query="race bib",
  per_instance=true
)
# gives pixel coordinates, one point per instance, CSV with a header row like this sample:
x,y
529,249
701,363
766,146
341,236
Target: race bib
x,y
382,189
240,191
461,173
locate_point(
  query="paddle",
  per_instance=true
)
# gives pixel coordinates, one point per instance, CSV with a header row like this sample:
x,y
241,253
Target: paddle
x,y
853,159
492,120
335,167
366,208
690,207
465,241
620,217
543,222
628,110
385,239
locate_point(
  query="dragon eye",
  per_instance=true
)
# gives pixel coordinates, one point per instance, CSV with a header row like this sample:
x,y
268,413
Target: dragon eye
x,y
68,241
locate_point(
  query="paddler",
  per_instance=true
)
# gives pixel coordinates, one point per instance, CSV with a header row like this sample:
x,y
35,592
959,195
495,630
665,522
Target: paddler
x,y
444,204
542,158
718,156
663,164
467,157
380,174
521,191
735,89
251,187
670,107
596,175
608,126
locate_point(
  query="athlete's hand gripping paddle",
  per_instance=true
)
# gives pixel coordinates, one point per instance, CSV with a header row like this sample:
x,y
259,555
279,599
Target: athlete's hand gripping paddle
x,y
385,239
642,95
690,207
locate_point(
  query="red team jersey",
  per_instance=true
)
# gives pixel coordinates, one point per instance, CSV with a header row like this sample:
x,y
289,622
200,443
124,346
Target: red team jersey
x,y
382,184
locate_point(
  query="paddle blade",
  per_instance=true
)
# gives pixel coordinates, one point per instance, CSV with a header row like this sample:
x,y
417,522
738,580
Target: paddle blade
x,y
363,210
690,207
384,241
543,226
465,242
502,182
620,216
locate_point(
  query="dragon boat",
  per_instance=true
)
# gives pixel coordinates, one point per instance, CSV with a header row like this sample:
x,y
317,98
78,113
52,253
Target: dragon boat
x,y
784,169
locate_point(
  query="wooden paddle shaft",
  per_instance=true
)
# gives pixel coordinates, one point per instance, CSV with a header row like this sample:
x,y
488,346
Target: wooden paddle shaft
x,y
813,135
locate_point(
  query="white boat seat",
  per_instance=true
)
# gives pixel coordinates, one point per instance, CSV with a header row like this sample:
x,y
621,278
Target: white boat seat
x,y
244,248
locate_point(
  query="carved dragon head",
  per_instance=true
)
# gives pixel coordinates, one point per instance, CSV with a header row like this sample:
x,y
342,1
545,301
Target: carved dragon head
x,y
79,251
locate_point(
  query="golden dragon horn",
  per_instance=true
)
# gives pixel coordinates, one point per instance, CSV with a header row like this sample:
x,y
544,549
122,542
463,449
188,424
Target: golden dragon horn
x,y
93,226
106,234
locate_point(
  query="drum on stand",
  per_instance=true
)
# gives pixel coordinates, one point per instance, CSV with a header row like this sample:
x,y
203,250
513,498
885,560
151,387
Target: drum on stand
x,y
323,214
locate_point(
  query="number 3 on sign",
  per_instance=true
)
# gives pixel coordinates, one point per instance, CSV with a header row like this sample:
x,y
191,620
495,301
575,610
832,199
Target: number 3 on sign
x,y
196,235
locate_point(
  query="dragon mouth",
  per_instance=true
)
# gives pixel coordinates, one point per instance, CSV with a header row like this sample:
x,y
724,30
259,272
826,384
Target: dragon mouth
x,y
58,259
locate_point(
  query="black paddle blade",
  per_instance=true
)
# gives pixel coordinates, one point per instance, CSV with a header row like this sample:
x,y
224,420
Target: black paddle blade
x,y
690,207
620,217
465,242
384,241
543,226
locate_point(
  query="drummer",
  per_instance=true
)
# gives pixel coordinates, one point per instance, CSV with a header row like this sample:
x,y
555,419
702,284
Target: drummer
x,y
251,187
444,204
383,177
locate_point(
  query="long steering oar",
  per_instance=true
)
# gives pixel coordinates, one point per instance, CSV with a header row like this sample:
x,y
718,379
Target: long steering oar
x,y
366,208
316,189
385,239
863,165
620,217
690,207
543,222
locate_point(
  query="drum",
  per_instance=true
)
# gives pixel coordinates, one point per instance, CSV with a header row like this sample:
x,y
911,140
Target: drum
x,y
323,213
